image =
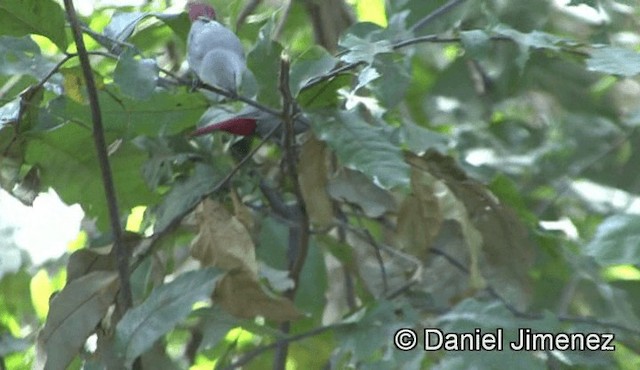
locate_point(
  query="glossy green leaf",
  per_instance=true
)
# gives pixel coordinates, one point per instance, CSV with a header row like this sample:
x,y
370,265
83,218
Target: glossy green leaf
x,y
617,241
364,147
312,63
185,194
68,163
264,62
122,25
165,307
42,17
136,77
22,55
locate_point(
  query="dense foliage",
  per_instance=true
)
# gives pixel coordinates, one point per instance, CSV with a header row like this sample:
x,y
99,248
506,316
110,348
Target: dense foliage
x,y
469,168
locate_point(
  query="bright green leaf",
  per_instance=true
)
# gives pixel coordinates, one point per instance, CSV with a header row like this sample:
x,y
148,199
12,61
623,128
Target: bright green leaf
x,y
42,17
165,307
68,163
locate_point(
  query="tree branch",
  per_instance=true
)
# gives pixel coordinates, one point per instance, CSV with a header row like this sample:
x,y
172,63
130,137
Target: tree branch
x,y
435,14
121,254
299,235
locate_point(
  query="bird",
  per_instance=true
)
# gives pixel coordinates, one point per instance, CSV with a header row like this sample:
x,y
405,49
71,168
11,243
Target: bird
x,y
250,121
214,53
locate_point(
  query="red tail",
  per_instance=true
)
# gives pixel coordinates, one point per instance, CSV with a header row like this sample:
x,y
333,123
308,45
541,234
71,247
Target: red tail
x,y
241,126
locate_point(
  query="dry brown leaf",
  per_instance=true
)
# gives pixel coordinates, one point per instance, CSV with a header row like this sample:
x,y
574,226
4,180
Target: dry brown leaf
x,y
242,212
222,241
240,294
312,175
506,252
419,217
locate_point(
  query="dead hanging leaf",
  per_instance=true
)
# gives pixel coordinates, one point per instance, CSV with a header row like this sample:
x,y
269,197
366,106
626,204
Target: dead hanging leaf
x,y
240,294
507,251
312,175
73,316
419,217
356,188
83,261
222,241
242,212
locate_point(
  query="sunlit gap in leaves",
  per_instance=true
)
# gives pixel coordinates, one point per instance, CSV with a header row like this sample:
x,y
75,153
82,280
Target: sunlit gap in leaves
x,y
370,11
134,221
621,272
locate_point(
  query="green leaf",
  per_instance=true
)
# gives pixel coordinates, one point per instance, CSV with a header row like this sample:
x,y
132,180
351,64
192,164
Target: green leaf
x,y
312,63
68,163
179,23
617,241
419,139
364,147
614,60
164,112
165,307
136,78
74,313
20,56
476,43
534,39
264,61
395,78
185,194
361,50
122,25
42,17
472,314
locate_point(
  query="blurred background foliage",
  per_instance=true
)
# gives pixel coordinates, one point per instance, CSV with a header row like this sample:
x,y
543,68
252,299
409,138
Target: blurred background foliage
x,y
475,171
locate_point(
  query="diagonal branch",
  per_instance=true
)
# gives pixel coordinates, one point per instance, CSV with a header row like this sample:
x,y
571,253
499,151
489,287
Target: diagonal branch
x,y
121,254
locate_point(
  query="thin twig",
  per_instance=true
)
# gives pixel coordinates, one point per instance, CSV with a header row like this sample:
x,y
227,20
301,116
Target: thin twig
x,y
299,243
121,254
246,12
435,14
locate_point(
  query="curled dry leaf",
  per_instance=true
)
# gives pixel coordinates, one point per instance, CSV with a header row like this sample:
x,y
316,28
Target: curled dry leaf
x,y
312,175
496,242
240,294
224,242
73,316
